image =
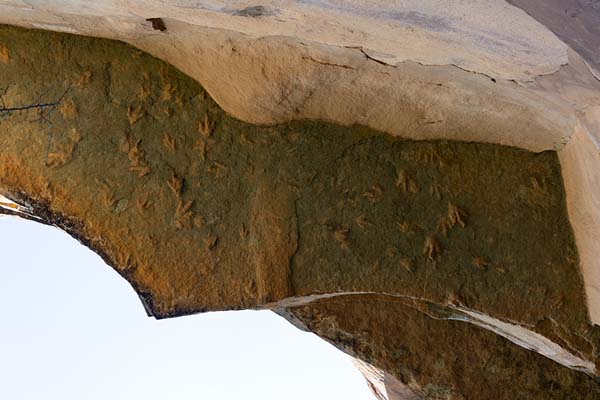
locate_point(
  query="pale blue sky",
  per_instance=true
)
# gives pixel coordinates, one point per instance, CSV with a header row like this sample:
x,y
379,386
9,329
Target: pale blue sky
x,y
71,328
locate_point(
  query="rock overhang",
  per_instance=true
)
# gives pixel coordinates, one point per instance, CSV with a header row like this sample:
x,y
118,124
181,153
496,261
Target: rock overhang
x,y
266,78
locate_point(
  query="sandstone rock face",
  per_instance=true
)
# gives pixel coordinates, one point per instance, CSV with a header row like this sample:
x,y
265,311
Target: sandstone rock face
x,y
409,68
475,71
455,267
436,358
352,233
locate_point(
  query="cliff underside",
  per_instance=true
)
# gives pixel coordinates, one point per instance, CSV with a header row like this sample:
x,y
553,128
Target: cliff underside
x,y
449,265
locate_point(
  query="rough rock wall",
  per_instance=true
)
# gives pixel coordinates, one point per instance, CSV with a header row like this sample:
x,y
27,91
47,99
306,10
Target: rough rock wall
x,y
482,71
276,61
434,358
200,211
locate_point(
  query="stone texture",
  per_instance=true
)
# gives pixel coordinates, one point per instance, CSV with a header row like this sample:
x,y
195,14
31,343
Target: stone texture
x,y
440,359
488,36
481,71
412,69
461,247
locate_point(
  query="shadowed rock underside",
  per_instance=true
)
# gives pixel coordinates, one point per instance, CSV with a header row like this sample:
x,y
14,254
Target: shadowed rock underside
x,y
449,265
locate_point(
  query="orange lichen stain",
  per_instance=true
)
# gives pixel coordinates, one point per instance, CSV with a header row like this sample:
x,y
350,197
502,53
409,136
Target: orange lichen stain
x,y
243,232
408,227
342,234
84,79
134,114
123,261
407,264
167,91
362,222
538,193
68,109
431,157
404,227
210,241
170,143
16,174
374,193
246,140
199,221
217,168
375,266
4,54
444,226
143,202
348,199
46,190
436,190
61,157
75,135
201,146
406,183
391,252
176,184
454,217
107,194
168,111
557,303
145,91
480,262
206,126
431,248
137,156
65,151
179,101
294,189
184,214
165,78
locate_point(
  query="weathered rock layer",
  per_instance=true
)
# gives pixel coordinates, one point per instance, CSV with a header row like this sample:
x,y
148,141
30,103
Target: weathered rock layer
x,y
463,248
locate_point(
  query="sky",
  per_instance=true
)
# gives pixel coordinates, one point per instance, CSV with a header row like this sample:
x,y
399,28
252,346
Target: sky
x,y
72,328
